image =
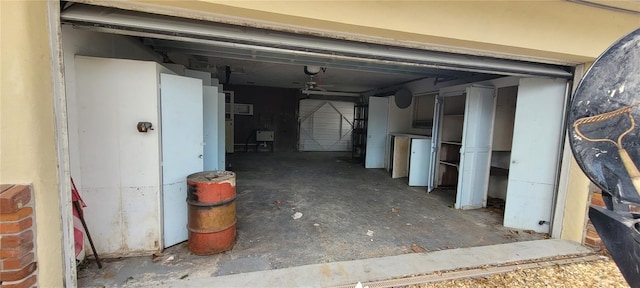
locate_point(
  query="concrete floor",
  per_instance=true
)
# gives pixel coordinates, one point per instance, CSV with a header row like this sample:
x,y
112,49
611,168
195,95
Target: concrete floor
x,y
348,213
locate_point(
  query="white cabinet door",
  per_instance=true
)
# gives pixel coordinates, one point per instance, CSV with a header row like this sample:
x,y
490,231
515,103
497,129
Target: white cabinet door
x,y
537,135
182,151
435,141
377,132
222,133
475,154
214,133
420,162
210,119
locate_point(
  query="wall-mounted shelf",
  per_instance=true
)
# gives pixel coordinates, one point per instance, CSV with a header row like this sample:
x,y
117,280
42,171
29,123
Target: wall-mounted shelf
x,y
452,143
453,164
359,133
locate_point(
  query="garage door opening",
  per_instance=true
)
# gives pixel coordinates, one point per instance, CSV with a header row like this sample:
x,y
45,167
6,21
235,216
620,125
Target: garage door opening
x,y
340,150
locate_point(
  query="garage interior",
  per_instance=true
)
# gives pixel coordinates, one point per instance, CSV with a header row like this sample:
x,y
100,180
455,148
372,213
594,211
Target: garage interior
x,y
348,213
282,167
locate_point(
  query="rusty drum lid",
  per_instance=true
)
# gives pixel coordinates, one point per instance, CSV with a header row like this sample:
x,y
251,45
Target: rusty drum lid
x,y
604,120
212,176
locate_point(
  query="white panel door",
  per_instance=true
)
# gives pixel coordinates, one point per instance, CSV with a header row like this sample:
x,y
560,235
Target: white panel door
x,y
377,132
420,162
213,129
475,154
182,152
537,134
222,133
435,137
325,125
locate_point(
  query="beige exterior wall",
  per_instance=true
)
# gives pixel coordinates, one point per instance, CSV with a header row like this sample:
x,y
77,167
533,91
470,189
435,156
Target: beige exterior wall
x,y
555,30
575,209
27,139
558,30
577,199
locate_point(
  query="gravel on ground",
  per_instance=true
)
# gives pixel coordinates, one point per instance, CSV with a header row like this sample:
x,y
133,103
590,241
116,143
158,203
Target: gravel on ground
x,y
599,273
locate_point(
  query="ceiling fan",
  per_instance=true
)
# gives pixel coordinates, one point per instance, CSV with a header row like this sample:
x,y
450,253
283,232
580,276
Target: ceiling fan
x,y
313,85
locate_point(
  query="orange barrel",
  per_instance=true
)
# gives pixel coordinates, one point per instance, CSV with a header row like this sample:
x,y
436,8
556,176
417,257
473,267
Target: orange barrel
x,y
211,197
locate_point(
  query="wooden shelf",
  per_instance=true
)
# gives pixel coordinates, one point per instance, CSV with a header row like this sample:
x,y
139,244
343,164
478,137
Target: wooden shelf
x,y
497,171
454,164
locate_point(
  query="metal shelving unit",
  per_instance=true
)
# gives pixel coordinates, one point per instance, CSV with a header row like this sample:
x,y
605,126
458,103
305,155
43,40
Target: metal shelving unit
x,y
359,133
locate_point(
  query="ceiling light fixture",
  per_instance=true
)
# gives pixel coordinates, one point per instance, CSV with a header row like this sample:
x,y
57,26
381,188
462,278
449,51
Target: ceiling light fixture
x,y
312,70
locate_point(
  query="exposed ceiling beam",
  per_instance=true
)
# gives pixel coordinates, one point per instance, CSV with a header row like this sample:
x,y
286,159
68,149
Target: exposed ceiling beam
x,y
329,93
246,52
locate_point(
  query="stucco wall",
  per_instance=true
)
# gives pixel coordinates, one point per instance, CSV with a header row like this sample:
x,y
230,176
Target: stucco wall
x,y
27,137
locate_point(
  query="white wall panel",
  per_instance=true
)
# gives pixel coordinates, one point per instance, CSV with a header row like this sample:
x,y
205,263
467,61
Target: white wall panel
x,y
119,166
87,43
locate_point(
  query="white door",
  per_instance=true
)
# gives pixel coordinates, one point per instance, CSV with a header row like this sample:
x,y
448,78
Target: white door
x,y
537,135
325,125
475,154
222,133
182,152
420,162
377,132
213,129
435,137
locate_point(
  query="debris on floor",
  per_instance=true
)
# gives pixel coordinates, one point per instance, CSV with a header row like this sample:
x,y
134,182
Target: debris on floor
x,y
369,233
417,249
296,216
156,257
495,205
169,259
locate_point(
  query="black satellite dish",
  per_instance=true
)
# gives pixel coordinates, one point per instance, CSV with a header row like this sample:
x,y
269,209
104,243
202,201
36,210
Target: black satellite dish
x,y
605,140
403,98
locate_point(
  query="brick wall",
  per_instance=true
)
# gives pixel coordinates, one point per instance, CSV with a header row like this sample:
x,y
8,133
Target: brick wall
x,y
591,238
18,266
